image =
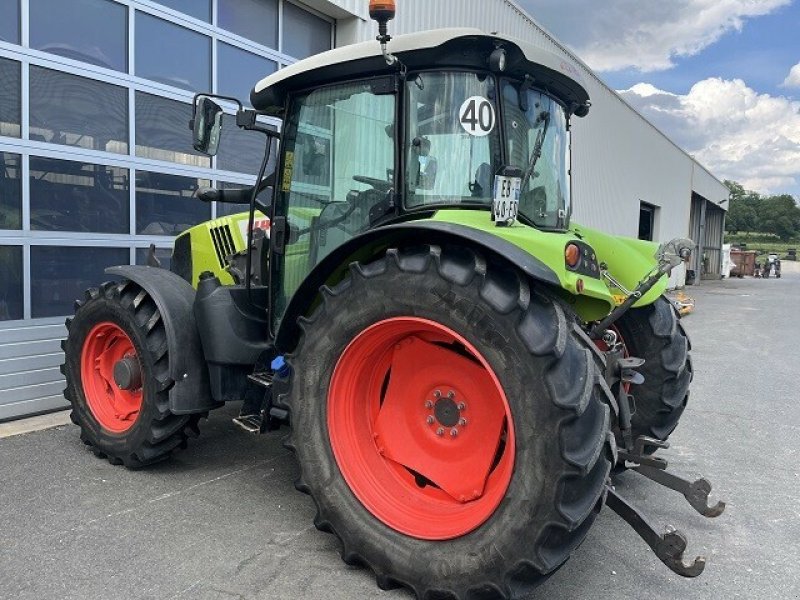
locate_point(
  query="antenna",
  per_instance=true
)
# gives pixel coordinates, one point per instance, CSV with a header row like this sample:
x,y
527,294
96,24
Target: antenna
x,y
383,11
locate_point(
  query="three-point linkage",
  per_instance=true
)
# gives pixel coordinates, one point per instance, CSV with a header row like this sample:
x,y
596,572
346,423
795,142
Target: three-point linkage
x,y
621,374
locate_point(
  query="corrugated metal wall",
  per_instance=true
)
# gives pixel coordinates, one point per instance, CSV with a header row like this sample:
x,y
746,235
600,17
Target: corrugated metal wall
x,y
30,380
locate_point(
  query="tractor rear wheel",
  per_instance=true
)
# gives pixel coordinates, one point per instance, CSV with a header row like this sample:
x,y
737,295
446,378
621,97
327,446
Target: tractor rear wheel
x,y
655,333
450,423
116,367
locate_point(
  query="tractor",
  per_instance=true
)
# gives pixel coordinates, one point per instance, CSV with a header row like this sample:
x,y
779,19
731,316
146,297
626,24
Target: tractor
x,y
461,367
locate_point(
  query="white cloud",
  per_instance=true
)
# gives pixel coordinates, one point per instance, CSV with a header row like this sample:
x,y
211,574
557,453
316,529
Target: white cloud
x,y
736,132
793,78
620,34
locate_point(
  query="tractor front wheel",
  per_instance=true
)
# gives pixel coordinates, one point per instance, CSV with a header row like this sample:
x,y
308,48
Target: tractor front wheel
x,y
116,366
655,334
450,423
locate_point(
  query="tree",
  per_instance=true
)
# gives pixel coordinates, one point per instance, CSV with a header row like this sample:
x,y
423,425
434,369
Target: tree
x,y
779,215
743,211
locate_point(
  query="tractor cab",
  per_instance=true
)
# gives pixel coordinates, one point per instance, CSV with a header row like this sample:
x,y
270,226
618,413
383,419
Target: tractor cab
x,y
452,119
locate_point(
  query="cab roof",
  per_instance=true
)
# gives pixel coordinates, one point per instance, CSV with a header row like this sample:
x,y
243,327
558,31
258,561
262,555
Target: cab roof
x,y
434,49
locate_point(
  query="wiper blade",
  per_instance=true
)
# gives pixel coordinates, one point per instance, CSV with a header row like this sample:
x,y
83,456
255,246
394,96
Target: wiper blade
x,y
544,116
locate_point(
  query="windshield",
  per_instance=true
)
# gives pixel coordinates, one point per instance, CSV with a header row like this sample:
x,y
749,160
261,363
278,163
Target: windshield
x,y
538,145
453,140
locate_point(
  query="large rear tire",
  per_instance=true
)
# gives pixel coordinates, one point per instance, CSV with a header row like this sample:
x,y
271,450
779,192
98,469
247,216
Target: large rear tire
x,y
484,492
655,333
120,322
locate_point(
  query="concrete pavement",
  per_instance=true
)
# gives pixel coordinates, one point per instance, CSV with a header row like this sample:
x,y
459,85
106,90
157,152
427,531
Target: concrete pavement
x,y
222,520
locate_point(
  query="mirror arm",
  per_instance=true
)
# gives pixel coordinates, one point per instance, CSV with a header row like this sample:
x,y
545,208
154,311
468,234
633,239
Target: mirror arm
x,y
246,119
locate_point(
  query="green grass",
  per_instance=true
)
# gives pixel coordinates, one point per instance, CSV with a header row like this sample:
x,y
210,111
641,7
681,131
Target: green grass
x,y
763,243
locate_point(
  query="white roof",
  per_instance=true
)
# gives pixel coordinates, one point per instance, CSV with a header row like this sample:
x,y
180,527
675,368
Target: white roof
x,y
416,41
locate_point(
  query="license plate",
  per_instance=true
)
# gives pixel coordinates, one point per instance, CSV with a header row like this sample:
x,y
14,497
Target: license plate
x,y
505,203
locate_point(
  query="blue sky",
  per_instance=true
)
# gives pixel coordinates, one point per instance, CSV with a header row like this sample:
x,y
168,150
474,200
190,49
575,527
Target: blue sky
x,y
761,54
715,75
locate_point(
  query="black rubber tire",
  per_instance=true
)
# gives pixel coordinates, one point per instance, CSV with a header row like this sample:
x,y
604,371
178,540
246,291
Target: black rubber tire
x,y
655,333
558,399
156,432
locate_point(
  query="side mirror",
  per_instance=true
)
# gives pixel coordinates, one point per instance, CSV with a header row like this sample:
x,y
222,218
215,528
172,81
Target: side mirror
x,y
206,126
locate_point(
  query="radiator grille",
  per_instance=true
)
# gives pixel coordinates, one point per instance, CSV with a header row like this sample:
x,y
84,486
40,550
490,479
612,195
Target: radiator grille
x,y
223,243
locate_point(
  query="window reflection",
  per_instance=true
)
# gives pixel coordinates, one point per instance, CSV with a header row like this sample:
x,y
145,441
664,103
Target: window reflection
x,y
164,256
75,111
241,150
256,20
74,196
171,54
10,191
166,204
304,34
92,31
199,9
238,71
10,103
9,22
162,131
10,283
60,275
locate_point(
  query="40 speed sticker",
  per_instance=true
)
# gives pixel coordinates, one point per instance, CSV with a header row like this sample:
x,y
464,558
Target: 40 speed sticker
x,y
477,116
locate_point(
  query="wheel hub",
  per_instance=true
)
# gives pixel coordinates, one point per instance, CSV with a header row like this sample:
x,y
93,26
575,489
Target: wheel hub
x,y
446,412
128,373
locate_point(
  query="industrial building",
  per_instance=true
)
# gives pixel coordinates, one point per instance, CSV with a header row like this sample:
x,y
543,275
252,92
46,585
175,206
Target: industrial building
x,y
96,161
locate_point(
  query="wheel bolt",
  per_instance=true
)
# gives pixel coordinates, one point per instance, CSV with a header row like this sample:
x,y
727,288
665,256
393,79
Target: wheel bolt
x,y
430,420
462,421
437,394
440,431
451,394
428,404
453,432
462,406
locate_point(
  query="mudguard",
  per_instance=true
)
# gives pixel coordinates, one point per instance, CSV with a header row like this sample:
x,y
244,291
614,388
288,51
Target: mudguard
x,y
174,298
372,243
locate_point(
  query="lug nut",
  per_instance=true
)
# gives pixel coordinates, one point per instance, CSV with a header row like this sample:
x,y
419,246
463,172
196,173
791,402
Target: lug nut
x,y
440,431
428,404
430,420
453,432
462,406
451,394
437,394
462,421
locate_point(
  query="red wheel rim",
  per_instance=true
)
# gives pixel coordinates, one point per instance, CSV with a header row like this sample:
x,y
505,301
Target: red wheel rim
x,y
420,428
115,409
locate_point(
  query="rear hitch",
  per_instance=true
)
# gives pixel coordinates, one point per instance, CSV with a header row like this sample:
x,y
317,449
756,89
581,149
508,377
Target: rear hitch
x,y
669,548
696,492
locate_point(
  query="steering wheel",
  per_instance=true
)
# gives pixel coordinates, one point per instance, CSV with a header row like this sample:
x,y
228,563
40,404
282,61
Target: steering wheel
x,y
379,184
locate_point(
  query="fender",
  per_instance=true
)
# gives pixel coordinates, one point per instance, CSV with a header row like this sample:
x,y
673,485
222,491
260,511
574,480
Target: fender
x,y
174,297
372,243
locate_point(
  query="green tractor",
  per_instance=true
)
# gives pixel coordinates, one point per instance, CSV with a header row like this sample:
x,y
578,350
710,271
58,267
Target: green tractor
x,y
462,368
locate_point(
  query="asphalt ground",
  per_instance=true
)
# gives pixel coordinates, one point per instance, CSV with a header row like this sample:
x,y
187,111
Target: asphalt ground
x,y
222,520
